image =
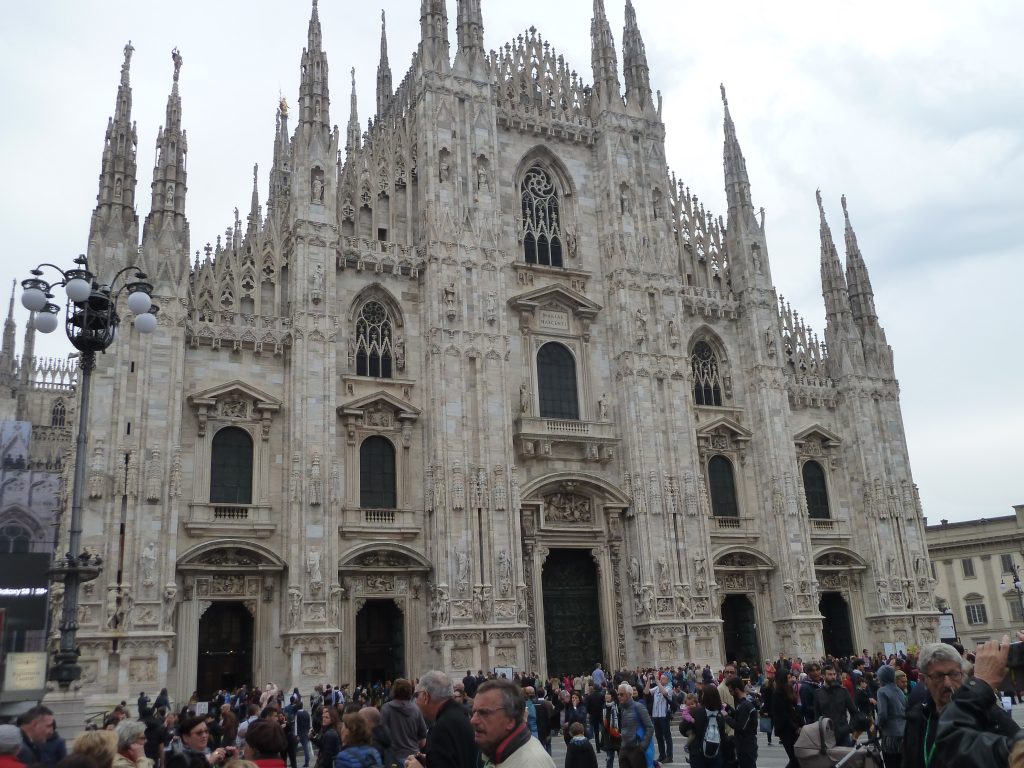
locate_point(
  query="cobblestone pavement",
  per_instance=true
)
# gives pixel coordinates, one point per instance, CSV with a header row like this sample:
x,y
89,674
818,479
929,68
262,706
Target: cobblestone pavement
x,y
768,755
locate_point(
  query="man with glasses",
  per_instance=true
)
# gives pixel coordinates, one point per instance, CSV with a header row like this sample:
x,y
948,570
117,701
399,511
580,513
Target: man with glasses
x,y
943,671
500,727
450,741
632,717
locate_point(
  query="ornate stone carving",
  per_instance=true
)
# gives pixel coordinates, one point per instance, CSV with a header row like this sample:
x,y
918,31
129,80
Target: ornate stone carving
x,y
316,490
313,572
227,585
504,573
97,477
568,508
294,607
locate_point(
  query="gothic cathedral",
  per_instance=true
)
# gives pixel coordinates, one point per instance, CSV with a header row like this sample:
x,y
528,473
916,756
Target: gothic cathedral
x,y
482,385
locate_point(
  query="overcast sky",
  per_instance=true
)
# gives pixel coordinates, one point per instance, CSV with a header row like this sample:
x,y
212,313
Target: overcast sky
x,y
914,110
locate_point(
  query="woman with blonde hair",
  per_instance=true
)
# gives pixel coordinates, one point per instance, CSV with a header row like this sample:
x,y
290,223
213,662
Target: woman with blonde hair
x,y
98,746
356,743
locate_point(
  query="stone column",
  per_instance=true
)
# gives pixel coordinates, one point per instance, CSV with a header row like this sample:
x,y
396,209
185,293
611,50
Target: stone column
x,y
187,645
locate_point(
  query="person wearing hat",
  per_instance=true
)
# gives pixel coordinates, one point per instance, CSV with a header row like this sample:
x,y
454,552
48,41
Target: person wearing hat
x,y
10,743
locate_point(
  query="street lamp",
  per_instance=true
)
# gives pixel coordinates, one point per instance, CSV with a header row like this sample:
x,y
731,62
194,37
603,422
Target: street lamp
x,y
91,325
1017,585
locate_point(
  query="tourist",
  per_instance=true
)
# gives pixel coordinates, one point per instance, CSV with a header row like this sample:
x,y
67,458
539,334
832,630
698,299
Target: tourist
x,y
131,745
891,719
10,745
575,712
36,725
611,727
660,690
834,702
635,726
580,752
380,736
708,730
450,741
944,672
356,744
329,744
404,721
100,747
264,744
192,749
500,730
743,721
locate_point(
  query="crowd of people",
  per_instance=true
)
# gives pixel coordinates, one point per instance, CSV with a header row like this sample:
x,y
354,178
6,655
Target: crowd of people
x,y
936,708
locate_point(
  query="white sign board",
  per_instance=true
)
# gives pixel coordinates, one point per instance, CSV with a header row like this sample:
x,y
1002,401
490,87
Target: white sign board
x,y
25,672
505,672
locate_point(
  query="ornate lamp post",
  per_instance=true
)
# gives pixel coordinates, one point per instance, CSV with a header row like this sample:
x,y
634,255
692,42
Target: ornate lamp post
x,y
1017,585
91,325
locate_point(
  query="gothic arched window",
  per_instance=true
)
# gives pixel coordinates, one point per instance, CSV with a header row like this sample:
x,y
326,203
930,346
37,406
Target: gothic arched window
x,y
374,341
722,486
556,383
231,467
58,414
542,232
815,491
14,539
707,382
377,474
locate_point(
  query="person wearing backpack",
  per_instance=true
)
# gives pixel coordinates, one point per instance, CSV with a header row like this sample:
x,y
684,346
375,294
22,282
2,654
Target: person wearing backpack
x,y
743,720
708,729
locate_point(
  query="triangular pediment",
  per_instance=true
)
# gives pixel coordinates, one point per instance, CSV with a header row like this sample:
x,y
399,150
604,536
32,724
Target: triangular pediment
x,y
723,425
235,389
403,410
576,302
827,438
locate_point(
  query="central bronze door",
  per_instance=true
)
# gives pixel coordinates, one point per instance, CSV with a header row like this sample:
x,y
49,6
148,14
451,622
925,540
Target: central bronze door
x,y
380,642
572,617
225,648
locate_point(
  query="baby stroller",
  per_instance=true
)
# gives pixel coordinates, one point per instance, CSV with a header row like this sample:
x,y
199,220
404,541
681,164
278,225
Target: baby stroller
x,y
815,747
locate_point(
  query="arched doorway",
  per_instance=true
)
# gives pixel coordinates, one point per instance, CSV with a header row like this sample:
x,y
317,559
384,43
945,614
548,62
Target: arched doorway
x,y
572,618
835,629
225,648
739,629
380,642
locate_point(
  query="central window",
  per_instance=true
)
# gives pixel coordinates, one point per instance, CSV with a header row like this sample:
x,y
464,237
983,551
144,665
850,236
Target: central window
x,y
556,382
377,474
707,382
722,486
374,341
231,467
542,234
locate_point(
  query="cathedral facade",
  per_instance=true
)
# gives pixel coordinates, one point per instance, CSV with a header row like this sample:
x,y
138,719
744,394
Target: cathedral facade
x,y
482,385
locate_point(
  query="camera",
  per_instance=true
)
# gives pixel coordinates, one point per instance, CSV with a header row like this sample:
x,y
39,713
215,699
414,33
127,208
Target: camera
x,y
1015,658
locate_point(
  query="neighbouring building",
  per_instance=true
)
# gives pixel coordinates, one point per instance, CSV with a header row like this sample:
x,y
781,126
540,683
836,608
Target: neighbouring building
x,y
494,390
973,566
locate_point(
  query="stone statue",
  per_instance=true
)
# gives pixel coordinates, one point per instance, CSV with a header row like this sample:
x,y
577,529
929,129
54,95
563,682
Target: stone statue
x,y
317,191
663,579
602,407
169,604
700,577
148,560
641,324
96,477
154,481
316,485
491,307
56,605
400,354
634,575
524,398
176,58
450,296
294,607
313,567
790,595
462,571
504,573
318,279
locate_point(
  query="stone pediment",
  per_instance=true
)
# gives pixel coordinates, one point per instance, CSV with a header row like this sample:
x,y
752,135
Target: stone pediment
x,y
736,557
723,426
817,433
836,557
387,558
235,390
380,402
558,295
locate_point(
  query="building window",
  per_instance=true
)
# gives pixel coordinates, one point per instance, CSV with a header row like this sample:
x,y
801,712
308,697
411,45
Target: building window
x,y
815,491
1007,562
976,613
374,341
722,485
231,467
968,566
707,383
14,539
935,574
58,414
377,474
1016,609
542,234
556,382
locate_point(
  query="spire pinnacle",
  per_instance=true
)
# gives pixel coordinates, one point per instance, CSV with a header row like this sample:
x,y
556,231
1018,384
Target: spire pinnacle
x,y
862,296
169,174
384,86
353,133
314,95
833,283
603,59
470,27
255,217
128,50
634,63
737,183
434,47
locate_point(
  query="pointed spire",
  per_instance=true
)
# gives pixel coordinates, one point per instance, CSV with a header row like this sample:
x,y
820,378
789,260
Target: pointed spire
x,y
384,88
26,369
255,217
352,132
280,170
7,351
833,283
634,63
314,95
118,168
470,27
603,58
434,47
168,187
737,183
862,297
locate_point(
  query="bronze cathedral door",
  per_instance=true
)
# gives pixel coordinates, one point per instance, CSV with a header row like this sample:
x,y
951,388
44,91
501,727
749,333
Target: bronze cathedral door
x,y
572,619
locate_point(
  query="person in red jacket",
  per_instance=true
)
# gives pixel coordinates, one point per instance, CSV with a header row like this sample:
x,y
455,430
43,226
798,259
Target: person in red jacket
x,y
10,743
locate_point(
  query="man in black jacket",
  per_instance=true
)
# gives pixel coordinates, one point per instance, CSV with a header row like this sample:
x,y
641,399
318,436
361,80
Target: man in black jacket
x,y
833,701
743,720
974,730
451,742
808,688
943,671
594,702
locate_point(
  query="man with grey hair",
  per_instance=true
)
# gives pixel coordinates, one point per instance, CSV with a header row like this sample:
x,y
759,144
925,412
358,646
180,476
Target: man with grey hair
x,y
633,715
450,741
500,727
942,670
131,741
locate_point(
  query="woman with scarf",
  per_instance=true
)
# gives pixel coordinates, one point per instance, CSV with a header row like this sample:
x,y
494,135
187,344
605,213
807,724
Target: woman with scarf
x,y
611,722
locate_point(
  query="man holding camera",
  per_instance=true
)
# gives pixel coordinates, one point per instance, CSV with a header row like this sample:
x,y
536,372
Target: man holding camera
x,y
974,731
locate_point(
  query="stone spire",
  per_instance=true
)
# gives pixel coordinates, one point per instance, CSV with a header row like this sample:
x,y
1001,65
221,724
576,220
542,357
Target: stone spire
x,y
434,47
255,217
469,28
280,171
7,350
833,282
737,183
603,59
634,64
314,95
353,133
171,147
384,88
27,368
862,297
118,170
